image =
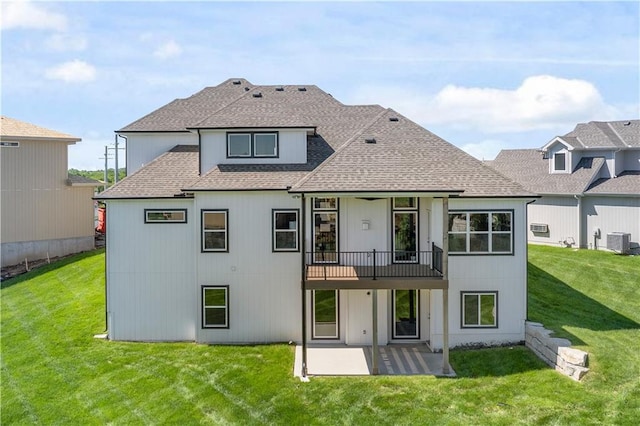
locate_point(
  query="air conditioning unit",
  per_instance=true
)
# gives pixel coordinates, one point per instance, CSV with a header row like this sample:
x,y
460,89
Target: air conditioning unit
x,y
618,242
539,227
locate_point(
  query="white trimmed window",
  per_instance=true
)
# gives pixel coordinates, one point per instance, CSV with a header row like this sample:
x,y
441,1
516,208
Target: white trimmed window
x,y
215,235
252,145
560,162
481,232
215,307
165,216
285,230
479,309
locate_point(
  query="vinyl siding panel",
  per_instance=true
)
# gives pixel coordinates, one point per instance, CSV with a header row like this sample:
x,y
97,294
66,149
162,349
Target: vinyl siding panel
x,y
264,287
611,214
142,148
560,214
150,273
505,274
36,202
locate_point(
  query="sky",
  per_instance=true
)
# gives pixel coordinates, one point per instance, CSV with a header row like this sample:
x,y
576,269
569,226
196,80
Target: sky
x,y
484,76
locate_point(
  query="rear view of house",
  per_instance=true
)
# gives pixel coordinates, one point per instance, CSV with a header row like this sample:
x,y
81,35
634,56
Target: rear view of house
x,y
276,213
44,211
589,180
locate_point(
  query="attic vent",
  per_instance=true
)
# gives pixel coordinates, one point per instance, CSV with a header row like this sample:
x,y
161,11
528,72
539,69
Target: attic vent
x,y
627,123
257,95
246,89
393,118
237,82
302,89
370,140
280,89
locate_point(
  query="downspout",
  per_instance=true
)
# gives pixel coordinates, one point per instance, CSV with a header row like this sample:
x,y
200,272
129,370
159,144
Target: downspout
x,y
199,153
445,291
579,200
106,270
303,281
126,141
526,267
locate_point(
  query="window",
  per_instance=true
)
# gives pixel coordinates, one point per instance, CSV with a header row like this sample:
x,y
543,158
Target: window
x,y
240,145
214,230
10,144
165,216
215,307
285,230
325,314
479,309
559,162
325,230
406,311
405,230
481,232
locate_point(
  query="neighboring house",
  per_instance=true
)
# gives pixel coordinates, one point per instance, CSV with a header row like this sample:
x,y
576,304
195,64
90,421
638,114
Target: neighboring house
x,y
589,180
44,211
276,213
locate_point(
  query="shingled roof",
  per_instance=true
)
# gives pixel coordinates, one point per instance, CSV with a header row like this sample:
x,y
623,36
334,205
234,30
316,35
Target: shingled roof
x,y
530,169
404,158
603,134
10,128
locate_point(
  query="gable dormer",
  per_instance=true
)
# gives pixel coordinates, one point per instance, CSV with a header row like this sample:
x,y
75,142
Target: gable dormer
x,y
561,156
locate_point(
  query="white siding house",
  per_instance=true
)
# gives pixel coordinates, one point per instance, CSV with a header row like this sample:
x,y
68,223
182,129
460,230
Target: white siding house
x,y
292,213
589,180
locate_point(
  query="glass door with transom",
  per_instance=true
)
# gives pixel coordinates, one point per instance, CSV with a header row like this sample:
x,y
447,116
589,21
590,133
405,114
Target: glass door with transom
x,y
405,311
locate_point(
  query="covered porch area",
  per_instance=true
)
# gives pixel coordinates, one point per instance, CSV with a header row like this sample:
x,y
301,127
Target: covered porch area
x,y
395,359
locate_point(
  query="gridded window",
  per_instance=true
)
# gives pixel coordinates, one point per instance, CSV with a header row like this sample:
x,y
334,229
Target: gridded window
x,y
480,232
215,236
240,145
285,230
165,216
479,309
215,307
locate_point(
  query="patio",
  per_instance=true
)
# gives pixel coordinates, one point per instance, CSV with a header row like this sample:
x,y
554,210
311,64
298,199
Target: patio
x,y
396,359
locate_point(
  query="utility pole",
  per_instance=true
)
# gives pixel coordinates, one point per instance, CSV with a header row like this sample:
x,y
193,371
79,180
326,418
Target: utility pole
x,y
106,167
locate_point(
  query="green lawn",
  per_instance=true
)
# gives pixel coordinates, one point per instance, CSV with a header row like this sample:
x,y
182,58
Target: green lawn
x,y
55,372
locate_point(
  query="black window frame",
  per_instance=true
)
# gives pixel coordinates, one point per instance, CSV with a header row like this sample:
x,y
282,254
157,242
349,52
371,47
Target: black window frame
x,y
489,233
252,141
226,229
203,307
479,293
275,249
147,220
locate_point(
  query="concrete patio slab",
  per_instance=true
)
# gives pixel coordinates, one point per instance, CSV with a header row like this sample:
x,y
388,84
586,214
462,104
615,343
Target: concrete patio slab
x,y
341,360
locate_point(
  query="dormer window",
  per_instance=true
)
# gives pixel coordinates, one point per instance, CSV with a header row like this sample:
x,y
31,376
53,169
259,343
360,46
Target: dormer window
x,y
560,162
252,145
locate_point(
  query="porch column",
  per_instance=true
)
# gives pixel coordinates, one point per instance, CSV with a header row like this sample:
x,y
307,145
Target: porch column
x,y
445,291
303,282
374,301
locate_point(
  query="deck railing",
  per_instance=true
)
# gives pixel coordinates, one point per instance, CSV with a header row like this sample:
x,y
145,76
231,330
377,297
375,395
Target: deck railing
x,y
374,264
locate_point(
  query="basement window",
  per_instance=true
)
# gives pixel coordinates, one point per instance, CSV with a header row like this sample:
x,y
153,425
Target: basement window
x,y
479,309
215,306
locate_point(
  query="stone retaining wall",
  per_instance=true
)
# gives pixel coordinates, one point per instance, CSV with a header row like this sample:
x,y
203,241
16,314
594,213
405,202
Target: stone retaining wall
x,y
555,351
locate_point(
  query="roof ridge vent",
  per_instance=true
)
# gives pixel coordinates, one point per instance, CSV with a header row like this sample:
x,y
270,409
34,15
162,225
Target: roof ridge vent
x,y
279,89
302,89
257,95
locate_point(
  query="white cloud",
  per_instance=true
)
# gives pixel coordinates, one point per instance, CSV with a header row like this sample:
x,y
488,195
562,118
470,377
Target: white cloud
x,y
168,50
24,14
541,102
66,42
75,71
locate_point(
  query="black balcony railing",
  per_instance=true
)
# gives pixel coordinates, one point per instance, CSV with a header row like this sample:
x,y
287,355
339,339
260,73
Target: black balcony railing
x,y
374,264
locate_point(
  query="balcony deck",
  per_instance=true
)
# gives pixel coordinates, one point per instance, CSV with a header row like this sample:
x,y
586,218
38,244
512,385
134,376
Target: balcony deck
x,y
375,269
